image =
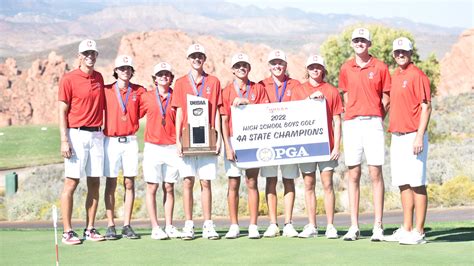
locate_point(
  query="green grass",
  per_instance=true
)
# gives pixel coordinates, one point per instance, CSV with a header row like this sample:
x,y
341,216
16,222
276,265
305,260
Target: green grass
x,y
22,146
449,243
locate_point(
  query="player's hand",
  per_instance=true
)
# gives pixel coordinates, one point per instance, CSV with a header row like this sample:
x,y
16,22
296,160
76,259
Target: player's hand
x,y
317,95
230,154
240,101
179,148
335,154
66,149
418,145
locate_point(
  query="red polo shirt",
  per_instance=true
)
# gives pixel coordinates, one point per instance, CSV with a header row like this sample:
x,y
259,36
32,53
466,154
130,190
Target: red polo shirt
x,y
410,88
84,94
114,125
269,84
256,94
211,91
365,87
155,131
333,102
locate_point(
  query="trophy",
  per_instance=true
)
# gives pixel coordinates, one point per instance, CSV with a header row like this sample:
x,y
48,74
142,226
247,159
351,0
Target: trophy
x,y
198,136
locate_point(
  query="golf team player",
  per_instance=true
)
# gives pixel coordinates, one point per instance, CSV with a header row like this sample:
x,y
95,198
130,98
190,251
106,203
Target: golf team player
x,y
365,82
122,102
409,116
81,106
200,84
160,160
241,91
317,88
279,87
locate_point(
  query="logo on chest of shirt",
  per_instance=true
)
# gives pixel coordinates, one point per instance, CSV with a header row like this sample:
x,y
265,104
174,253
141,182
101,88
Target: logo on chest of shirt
x,y
371,75
252,97
405,84
208,90
134,97
288,93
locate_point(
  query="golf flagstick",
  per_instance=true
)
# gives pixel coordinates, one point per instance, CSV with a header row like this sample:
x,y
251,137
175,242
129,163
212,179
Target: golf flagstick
x,y
55,224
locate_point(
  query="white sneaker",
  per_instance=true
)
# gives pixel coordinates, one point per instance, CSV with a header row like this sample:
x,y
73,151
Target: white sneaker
x,y
172,231
272,231
188,231
331,232
309,231
377,234
158,234
253,232
413,238
397,235
234,232
352,234
209,231
289,230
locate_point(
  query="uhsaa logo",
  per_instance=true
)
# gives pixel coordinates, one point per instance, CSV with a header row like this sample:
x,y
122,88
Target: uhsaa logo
x,y
291,152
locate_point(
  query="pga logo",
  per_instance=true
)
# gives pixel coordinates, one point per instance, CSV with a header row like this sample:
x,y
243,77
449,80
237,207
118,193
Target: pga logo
x,y
269,154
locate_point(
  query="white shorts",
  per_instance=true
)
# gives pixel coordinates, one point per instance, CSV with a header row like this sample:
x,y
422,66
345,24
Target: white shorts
x,y
200,166
307,168
161,163
364,134
407,168
231,169
87,154
121,153
288,171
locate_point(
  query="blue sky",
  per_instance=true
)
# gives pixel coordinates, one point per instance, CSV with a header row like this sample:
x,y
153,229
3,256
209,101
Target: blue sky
x,y
454,13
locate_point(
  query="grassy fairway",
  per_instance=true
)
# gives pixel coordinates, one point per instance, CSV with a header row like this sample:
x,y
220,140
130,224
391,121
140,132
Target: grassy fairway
x,y
23,146
450,243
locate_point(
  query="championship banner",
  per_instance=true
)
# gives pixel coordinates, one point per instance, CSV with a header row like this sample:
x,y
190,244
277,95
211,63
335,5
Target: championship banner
x,y
280,133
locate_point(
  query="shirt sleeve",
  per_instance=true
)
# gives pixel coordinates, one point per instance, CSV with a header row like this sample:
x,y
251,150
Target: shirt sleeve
x,y
343,79
65,91
386,79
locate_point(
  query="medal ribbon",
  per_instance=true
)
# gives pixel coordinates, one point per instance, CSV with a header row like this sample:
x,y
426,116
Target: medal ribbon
x,y
158,99
193,84
237,89
280,97
119,97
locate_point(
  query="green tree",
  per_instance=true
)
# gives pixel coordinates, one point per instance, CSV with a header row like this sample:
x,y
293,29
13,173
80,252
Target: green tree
x,y
336,50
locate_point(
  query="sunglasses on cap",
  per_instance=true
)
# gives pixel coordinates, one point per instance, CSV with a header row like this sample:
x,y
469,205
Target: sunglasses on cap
x,y
163,73
197,56
89,53
275,62
240,65
124,68
357,40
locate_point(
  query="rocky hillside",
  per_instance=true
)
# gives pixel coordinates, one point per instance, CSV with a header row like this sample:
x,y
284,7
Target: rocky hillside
x,y
30,95
457,67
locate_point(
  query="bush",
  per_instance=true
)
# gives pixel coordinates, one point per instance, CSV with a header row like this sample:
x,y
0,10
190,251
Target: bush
x,y
458,191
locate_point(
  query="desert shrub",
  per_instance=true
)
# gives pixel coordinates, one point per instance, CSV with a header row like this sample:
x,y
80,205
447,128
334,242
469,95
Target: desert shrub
x,y
434,195
458,191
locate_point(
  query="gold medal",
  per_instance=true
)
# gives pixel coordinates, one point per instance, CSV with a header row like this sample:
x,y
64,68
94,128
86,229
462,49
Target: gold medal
x,y
124,118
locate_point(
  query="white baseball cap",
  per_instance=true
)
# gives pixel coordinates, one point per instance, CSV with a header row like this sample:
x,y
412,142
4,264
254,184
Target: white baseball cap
x,y
123,60
87,45
276,54
239,57
402,43
195,48
361,33
160,67
315,59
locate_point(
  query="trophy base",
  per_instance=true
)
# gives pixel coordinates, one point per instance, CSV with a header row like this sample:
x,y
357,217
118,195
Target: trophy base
x,y
199,151
209,150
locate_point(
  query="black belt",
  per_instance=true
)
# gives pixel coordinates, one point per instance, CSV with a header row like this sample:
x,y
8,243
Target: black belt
x,y
91,129
402,133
